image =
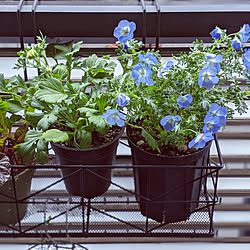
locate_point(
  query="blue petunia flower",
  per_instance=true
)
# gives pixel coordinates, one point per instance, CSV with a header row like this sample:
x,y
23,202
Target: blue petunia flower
x,y
169,122
246,74
212,124
201,140
216,33
169,65
236,44
142,73
122,100
148,58
124,31
245,33
184,101
216,111
207,77
214,61
246,58
113,116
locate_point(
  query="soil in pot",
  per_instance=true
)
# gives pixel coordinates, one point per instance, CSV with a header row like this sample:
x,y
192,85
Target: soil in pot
x,y
167,194
89,183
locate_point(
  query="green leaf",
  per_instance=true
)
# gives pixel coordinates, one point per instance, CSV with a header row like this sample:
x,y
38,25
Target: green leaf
x,y
97,120
33,118
84,138
55,135
15,118
4,106
51,91
87,110
150,140
46,121
15,106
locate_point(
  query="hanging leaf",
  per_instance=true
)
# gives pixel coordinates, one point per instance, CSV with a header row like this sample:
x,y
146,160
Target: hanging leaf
x,y
150,140
55,135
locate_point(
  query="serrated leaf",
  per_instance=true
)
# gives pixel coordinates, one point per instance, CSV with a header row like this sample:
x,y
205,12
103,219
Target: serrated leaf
x,y
96,120
41,157
150,140
84,138
46,121
55,135
51,91
86,110
4,106
33,118
14,106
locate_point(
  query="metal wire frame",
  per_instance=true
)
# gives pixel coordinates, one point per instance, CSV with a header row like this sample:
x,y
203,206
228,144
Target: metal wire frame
x,y
89,207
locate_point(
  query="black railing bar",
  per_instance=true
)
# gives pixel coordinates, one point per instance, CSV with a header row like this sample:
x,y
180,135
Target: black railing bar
x,y
158,23
218,150
113,217
144,24
122,165
34,20
52,184
51,218
20,31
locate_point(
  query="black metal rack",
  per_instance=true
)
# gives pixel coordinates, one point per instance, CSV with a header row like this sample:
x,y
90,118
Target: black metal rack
x,y
55,213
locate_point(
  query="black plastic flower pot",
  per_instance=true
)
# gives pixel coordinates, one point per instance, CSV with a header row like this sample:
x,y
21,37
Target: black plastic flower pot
x,y
83,182
167,194
10,211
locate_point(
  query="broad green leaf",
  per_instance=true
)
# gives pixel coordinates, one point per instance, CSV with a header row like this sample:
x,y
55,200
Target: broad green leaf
x,y
86,110
33,118
41,157
55,135
3,106
46,121
15,106
150,140
51,91
84,139
97,120
15,118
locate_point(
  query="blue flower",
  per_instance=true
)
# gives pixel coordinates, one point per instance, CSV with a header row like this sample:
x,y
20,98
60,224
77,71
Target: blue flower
x,y
207,77
212,124
236,44
113,116
245,33
124,31
169,122
246,58
184,101
168,65
246,74
142,73
214,61
122,100
216,111
201,140
148,58
216,33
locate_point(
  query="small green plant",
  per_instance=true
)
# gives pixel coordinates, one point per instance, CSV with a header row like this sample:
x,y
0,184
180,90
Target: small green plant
x,y
63,110
179,105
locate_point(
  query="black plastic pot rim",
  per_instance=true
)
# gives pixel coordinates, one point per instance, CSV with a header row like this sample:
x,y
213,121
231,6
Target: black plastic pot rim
x,y
166,156
93,148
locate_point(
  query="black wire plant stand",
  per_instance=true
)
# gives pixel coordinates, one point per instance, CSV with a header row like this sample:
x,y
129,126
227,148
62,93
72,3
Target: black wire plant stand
x,y
53,212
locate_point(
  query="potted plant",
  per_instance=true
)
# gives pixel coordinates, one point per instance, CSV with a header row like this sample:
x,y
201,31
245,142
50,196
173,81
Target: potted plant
x,y
15,183
176,107
70,114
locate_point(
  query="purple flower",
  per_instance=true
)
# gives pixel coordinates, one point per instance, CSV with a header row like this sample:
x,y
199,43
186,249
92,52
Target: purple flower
x,y
184,101
122,100
245,33
113,116
201,140
246,58
124,31
142,73
214,61
148,58
169,122
216,33
236,44
207,77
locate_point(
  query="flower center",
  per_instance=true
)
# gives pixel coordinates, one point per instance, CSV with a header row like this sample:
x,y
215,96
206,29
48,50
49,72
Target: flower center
x,y
142,72
115,116
206,77
125,31
183,99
